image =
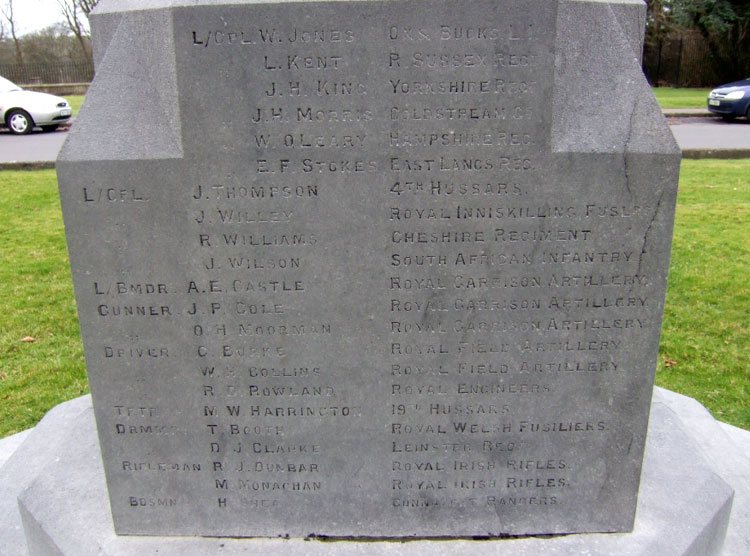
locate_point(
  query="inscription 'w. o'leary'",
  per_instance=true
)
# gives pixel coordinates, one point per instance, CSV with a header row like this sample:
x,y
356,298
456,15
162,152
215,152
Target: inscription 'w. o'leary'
x,y
373,272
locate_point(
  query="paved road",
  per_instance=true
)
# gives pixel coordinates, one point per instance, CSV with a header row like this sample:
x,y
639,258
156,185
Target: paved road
x,y
711,133
693,134
35,147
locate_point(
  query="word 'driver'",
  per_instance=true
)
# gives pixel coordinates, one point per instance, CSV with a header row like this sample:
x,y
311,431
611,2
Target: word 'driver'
x,y
357,282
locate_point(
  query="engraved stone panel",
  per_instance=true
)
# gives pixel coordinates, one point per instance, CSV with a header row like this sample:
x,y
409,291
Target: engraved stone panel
x,y
370,268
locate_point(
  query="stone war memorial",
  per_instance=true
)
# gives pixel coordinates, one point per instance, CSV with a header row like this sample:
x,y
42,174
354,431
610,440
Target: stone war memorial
x,y
373,270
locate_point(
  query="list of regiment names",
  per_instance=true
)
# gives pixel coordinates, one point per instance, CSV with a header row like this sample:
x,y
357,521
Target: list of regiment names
x,y
384,297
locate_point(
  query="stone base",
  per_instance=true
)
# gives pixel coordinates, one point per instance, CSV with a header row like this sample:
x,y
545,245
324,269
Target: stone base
x,y
53,499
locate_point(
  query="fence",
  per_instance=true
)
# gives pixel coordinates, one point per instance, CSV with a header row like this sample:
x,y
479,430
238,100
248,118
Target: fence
x,y
35,74
682,60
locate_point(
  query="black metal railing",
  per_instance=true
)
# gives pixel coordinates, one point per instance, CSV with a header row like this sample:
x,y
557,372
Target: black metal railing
x,y
682,60
48,74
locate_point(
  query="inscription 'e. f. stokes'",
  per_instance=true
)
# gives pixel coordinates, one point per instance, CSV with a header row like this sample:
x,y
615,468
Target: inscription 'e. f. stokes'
x,y
374,272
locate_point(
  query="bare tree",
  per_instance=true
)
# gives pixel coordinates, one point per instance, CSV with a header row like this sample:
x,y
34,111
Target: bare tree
x,y
52,45
7,11
86,6
74,11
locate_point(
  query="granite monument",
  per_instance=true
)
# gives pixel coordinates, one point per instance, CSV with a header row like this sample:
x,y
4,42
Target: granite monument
x,y
370,269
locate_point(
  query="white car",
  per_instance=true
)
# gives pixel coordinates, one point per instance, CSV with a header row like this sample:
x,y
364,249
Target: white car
x,y
22,110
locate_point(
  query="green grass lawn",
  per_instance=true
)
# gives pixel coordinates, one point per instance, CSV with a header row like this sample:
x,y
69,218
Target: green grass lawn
x,y
75,102
681,98
705,340
36,301
705,343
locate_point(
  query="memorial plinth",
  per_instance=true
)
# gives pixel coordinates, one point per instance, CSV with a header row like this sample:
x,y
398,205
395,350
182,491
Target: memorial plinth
x,y
370,269
684,502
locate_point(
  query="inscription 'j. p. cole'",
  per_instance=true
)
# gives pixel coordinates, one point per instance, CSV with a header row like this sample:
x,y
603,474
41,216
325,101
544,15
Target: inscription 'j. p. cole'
x,y
375,272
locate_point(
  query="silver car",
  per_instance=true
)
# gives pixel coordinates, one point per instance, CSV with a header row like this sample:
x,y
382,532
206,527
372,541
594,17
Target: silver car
x,y
22,110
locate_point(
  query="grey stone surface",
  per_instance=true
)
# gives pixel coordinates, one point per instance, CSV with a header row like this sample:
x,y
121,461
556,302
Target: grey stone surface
x,y
727,448
9,445
372,269
39,448
739,436
682,510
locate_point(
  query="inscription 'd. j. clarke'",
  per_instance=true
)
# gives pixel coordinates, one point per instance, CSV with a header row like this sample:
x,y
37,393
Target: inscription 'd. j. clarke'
x,y
355,288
